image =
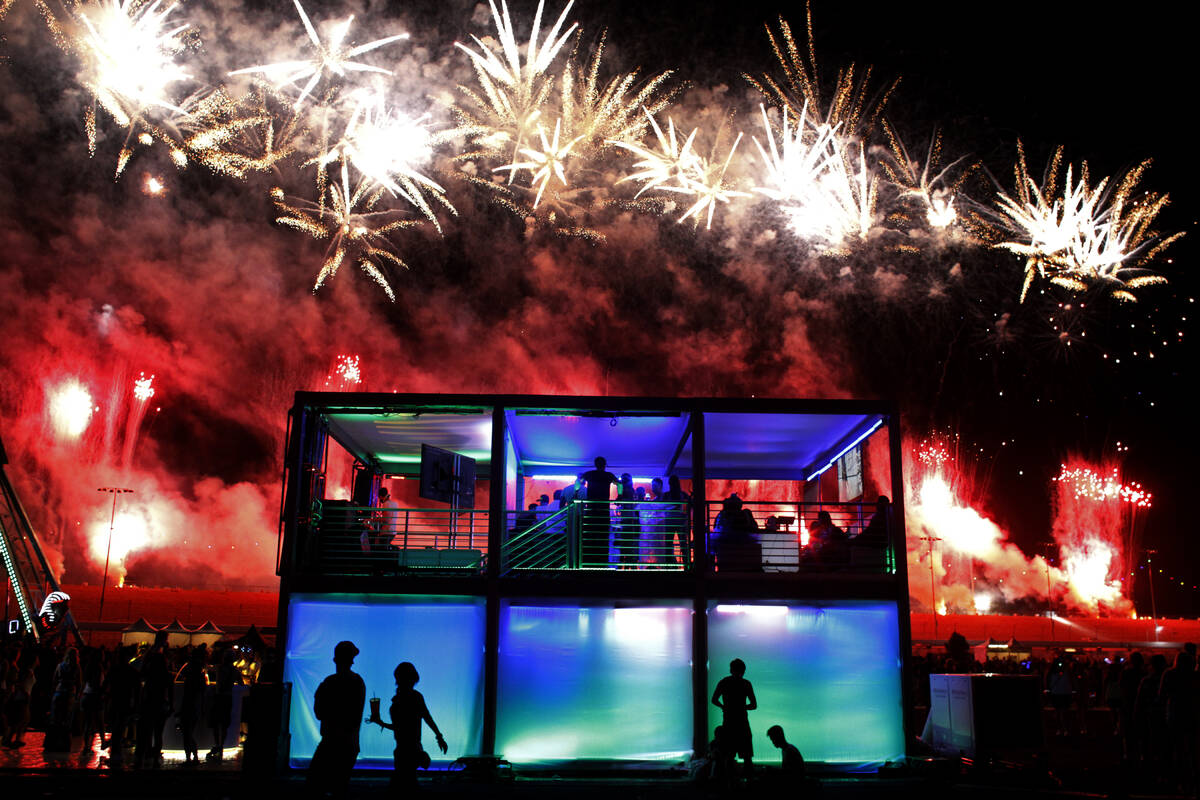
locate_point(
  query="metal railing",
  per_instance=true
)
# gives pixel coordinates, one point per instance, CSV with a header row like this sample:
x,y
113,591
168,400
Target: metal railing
x,y
770,536
366,540
600,535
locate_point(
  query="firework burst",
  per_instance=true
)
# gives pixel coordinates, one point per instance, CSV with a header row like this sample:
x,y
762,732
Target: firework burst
x,y
388,148
237,135
675,167
355,229
849,105
129,50
333,56
932,187
1081,235
821,182
505,111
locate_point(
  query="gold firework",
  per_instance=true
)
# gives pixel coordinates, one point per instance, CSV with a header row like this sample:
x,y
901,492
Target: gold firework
x,y
355,230
1079,235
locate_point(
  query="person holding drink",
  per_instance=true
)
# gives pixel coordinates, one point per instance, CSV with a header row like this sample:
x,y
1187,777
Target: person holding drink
x,y
407,712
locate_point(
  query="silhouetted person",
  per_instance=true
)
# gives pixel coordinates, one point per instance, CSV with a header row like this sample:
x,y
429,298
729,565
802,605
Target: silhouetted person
x,y
735,697
1148,712
720,755
220,716
527,518
338,705
194,681
833,546
1131,678
793,762
91,703
596,522
122,686
408,711
155,704
679,518
68,677
875,535
736,546
629,537
1178,696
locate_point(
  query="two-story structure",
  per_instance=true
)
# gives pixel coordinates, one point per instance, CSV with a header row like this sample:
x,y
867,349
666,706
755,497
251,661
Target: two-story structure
x,y
594,628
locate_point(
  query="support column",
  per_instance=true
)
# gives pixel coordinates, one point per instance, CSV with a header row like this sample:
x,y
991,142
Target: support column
x,y
700,568
496,527
898,546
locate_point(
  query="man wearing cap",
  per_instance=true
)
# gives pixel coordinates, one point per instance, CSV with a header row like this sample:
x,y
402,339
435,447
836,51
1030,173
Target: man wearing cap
x,y
338,704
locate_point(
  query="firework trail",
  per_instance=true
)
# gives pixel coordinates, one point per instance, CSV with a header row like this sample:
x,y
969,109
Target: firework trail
x,y
143,392
1083,236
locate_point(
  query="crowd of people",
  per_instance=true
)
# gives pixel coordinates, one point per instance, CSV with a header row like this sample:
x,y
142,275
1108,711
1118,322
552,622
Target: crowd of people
x,y
631,526
119,700
1150,703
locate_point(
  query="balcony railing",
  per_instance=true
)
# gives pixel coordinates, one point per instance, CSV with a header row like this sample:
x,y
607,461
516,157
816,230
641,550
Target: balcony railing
x,y
764,537
365,540
600,535
769,536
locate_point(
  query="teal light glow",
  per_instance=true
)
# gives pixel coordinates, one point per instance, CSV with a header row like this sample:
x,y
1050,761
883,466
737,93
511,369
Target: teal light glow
x,y
594,682
829,675
442,636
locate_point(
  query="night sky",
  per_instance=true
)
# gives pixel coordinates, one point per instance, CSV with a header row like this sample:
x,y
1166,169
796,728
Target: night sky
x,y
214,299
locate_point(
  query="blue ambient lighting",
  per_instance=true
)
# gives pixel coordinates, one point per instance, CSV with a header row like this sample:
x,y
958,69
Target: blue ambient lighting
x,y
594,682
830,675
845,450
442,636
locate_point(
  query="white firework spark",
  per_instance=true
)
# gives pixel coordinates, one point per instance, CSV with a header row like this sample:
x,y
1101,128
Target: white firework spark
x,y
1082,235
679,169
389,148
545,164
334,56
821,184
514,89
129,50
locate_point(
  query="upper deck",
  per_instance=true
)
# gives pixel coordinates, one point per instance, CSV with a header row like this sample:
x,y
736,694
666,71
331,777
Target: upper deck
x,y
783,491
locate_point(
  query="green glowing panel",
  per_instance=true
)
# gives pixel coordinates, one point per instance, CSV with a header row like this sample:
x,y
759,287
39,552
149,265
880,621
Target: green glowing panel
x,y
595,682
442,636
830,675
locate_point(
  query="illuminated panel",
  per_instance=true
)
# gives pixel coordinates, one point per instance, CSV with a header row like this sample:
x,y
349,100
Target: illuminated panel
x,y
830,675
598,682
442,636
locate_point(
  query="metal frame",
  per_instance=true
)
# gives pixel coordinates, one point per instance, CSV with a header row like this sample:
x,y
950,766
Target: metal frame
x,y
699,585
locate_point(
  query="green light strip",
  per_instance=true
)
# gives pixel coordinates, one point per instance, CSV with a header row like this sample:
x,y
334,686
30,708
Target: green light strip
x,y
19,590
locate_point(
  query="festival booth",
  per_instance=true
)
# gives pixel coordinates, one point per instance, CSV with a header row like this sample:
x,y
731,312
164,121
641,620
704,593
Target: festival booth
x,y
592,633
207,634
177,634
138,632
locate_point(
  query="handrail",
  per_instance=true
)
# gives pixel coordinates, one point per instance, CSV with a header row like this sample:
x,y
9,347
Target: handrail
x,y
368,539
600,535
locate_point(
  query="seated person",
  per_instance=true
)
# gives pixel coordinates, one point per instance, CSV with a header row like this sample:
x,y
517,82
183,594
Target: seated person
x,y
736,546
830,542
793,762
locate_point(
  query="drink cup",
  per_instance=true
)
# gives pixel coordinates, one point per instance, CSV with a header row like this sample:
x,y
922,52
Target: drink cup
x,y
374,708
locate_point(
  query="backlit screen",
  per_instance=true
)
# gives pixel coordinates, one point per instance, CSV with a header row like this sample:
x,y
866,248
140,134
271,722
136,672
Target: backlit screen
x,y
830,676
594,682
442,636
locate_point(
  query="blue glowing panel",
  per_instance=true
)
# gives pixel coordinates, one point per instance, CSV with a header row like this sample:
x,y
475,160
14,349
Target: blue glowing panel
x,y
830,675
604,683
442,636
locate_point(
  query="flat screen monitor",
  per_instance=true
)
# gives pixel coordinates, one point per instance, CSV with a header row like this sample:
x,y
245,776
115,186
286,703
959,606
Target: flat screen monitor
x,y
447,477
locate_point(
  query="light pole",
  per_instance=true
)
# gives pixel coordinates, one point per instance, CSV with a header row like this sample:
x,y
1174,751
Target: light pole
x,y
1153,607
112,521
932,589
1046,547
